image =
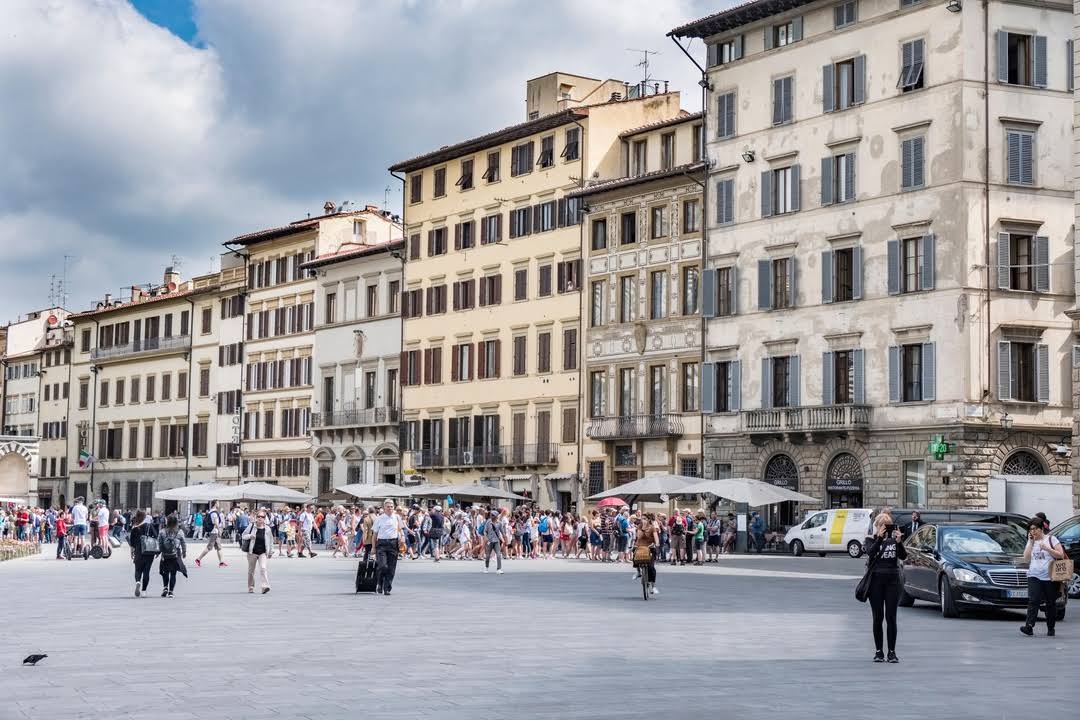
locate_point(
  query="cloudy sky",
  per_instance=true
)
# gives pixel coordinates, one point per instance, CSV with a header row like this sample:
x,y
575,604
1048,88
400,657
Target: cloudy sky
x,y
131,132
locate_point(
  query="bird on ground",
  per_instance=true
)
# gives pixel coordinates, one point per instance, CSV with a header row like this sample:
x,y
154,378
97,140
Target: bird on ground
x,y
33,659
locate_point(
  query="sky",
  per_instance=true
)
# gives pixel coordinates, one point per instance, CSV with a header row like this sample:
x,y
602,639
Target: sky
x,y
133,133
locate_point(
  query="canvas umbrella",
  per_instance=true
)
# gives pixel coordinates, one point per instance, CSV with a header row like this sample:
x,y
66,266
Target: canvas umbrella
x,y
204,492
465,490
754,493
650,488
264,492
377,491
611,502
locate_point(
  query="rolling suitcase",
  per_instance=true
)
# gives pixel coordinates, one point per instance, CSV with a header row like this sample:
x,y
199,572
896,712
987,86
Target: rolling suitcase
x,y
366,575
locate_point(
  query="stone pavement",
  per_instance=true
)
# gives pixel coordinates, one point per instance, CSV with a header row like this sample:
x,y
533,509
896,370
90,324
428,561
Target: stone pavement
x,y
756,637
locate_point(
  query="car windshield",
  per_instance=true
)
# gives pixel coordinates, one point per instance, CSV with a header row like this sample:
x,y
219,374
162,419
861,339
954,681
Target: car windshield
x,y
982,541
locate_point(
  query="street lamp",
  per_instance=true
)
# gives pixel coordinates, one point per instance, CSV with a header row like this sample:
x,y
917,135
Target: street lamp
x,y
1006,422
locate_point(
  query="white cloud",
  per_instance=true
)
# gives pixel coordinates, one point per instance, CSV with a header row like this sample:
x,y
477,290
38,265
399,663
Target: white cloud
x,y
123,145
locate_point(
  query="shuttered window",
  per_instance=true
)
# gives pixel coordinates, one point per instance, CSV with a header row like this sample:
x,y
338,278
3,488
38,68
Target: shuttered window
x,y
1020,157
1023,262
783,100
1021,59
838,178
912,372
843,84
911,163
725,115
912,60
725,201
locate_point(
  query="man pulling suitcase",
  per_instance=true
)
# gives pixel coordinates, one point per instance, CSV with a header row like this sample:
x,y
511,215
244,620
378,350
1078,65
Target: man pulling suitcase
x,y
389,532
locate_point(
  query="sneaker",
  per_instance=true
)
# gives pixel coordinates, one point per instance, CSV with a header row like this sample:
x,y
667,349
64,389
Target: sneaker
x,y
222,564
500,572
138,589
1026,629
892,658
251,590
879,656
485,571
170,593
653,591
265,590
164,593
314,554
198,562
1050,633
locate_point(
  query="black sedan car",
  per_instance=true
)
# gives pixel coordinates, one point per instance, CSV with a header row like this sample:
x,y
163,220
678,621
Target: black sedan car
x,y
965,566
1068,533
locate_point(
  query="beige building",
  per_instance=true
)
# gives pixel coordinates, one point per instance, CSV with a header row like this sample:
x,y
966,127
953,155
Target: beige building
x,y
642,312
143,390
54,407
490,356
890,224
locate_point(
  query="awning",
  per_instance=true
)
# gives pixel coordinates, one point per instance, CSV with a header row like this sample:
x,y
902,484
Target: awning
x,y
560,476
518,476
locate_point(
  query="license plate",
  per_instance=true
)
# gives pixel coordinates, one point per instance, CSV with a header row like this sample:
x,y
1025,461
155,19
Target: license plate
x,y
1018,594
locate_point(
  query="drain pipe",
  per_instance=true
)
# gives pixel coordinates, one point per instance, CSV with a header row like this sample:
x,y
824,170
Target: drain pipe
x,y
986,186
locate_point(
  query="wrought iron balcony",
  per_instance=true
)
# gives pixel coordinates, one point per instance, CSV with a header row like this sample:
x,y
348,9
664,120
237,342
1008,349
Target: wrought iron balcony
x,y
806,419
370,417
176,343
488,457
629,427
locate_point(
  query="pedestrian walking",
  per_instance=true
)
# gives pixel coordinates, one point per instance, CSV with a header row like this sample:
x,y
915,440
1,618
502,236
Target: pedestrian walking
x,y
757,530
198,532
173,550
61,534
142,553
306,522
256,542
388,534
885,552
213,524
494,537
1041,549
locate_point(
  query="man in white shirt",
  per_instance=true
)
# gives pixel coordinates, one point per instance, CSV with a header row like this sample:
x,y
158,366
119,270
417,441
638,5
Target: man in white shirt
x,y
213,542
388,533
102,518
79,526
303,538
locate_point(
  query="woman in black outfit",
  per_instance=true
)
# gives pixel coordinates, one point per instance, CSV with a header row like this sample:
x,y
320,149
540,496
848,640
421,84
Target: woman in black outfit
x,y
141,526
885,552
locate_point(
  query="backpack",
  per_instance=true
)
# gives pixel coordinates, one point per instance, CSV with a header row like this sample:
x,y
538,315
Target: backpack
x,y
677,527
169,545
543,525
208,522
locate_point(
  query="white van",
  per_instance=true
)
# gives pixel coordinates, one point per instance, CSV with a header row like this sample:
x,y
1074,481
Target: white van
x,y
824,531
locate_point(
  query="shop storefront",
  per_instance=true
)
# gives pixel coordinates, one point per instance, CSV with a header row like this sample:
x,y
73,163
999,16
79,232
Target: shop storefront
x,y
844,482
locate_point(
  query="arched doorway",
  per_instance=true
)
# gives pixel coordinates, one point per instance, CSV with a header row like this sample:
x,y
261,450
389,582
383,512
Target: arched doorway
x,y
14,477
1023,462
354,464
781,471
844,482
387,465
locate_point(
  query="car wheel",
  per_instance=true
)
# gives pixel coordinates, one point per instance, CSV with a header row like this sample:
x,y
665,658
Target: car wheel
x,y
948,604
905,599
797,548
854,548
1074,585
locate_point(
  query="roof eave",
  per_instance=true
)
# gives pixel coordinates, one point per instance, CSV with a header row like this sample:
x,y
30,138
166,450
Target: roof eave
x,y
735,17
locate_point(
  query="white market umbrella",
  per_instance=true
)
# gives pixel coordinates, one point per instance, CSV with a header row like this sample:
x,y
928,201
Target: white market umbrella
x,y
754,493
263,492
465,490
650,488
194,493
377,491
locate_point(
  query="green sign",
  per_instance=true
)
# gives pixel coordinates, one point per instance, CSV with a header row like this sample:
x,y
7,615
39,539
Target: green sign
x,y
939,448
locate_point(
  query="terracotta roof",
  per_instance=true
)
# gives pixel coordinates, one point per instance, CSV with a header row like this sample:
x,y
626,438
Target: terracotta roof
x,y
622,182
144,301
682,117
744,14
344,255
506,134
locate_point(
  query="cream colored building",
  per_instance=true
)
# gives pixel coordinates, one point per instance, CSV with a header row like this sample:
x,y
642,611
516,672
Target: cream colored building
x,y
143,391
54,407
891,219
642,310
491,351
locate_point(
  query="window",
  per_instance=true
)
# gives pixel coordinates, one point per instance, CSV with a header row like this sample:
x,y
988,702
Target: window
x,y
544,216
724,52
914,483
568,276
658,282
912,372
667,151
436,242
545,281
543,345
626,392
440,182
725,115
628,228
691,216
464,235
570,349
776,280
461,360
150,387
410,368
782,100
838,178
596,393
657,390
393,294
491,229
697,145
912,56
414,246
844,14
725,291
166,386
521,159
412,304
521,284
488,359
372,300
781,381
84,342
1020,162
841,277
207,321
784,33
691,379
520,222
572,146
103,394
569,425
464,294
911,264
911,163
465,182
491,174
331,308
596,306
658,222
1023,371
639,157
844,84
725,201
520,350
204,382
119,391
1021,59
1023,262
84,394
416,184
780,191
843,379
547,152
599,234
627,298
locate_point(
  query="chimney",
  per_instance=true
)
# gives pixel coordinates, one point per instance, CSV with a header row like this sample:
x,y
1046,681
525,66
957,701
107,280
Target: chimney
x,y
328,207
171,276
136,293
371,208
108,299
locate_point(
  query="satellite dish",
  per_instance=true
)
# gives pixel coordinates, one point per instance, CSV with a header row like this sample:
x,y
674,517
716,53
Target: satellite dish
x,y
172,287
52,320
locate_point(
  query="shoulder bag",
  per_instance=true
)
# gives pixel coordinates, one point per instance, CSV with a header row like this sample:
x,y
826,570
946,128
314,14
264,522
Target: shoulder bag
x,y
862,590
148,544
1061,570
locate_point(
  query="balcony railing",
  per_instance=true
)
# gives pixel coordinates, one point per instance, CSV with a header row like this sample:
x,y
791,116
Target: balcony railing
x,y
356,418
819,418
627,427
147,345
501,456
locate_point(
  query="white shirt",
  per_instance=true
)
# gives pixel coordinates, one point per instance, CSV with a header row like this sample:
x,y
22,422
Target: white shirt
x,y
1039,567
306,520
103,517
387,527
78,515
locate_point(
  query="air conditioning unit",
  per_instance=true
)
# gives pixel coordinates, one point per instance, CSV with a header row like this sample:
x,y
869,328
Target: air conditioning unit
x,y
466,457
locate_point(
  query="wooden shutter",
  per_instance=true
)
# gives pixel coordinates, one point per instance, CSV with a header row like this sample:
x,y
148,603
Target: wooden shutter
x,y
1069,60
929,372
1040,61
827,163
431,243
828,83
764,284
849,177
498,291
856,272
859,91
792,277
734,398
926,279
733,289
455,370
1004,368
498,357
708,292
796,188
858,373
1042,263
769,43
796,28
778,93
1002,56
893,250
794,395
1042,375
708,387
766,382
1004,276
457,236
827,276
828,395
766,194
894,374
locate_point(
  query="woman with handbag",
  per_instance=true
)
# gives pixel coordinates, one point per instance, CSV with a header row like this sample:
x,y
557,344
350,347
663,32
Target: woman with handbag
x,y
885,553
257,541
143,542
1042,548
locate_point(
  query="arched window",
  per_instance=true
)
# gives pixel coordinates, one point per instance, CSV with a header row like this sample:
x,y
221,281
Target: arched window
x,y
1023,462
844,481
782,472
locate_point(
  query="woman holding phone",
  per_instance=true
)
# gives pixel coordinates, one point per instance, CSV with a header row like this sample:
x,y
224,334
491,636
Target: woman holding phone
x,y
885,552
1041,549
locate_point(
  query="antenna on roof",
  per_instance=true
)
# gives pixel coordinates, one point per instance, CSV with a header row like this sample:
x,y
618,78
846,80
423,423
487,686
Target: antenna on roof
x,y
386,197
644,63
